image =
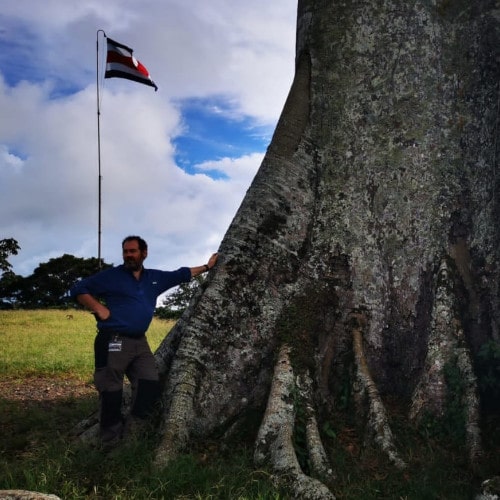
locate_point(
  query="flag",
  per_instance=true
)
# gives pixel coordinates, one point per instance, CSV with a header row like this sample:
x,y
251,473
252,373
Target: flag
x,y
121,63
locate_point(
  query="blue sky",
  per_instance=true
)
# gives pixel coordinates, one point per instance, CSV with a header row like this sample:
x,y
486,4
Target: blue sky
x,y
175,163
212,131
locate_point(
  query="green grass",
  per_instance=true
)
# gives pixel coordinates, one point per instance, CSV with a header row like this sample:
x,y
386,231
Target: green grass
x,y
39,455
38,451
55,342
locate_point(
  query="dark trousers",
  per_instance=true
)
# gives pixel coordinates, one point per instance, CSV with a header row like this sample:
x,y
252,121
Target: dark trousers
x,y
115,357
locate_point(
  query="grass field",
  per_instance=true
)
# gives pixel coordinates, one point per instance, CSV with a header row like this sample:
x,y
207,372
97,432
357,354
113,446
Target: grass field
x,y
45,390
55,342
44,355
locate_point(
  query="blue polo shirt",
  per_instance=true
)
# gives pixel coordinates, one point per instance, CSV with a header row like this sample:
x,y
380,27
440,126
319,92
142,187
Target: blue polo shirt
x,y
131,302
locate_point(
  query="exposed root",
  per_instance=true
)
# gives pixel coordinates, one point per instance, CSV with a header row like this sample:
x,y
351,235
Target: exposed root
x,y
378,424
87,430
165,354
320,466
471,405
490,489
447,346
175,425
274,444
430,395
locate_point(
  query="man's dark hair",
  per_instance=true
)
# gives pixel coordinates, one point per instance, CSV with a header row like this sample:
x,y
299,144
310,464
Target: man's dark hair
x,y
143,246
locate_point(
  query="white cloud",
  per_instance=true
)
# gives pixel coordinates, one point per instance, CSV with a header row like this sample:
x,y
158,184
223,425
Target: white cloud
x,y
241,50
10,160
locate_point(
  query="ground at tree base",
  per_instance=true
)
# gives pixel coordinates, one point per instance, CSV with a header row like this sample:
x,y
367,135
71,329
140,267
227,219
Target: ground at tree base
x,y
44,389
45,392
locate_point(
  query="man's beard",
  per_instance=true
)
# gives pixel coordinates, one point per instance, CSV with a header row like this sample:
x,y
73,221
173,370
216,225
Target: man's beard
x,y
133,264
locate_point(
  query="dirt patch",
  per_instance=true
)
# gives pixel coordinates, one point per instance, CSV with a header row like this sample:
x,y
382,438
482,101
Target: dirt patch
x,y
44,389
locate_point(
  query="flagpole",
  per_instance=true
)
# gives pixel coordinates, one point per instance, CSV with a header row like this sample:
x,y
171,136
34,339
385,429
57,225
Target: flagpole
x,y
125,67
99,182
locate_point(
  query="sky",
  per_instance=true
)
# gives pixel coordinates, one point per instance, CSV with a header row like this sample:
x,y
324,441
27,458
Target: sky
x,y
175,163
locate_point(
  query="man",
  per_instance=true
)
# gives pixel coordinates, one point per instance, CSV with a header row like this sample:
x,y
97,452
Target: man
x,y
123,300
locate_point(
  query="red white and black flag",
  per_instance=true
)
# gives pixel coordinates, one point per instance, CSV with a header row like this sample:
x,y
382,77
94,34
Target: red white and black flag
x,y
120,63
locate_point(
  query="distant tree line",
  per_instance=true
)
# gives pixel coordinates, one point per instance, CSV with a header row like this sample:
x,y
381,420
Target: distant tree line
x,y
49,285
174,304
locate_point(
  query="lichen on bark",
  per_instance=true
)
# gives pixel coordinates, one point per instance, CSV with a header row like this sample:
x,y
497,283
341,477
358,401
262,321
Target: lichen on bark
x,y
378,197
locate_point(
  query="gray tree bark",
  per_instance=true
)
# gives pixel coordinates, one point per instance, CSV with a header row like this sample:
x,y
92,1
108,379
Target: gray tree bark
x,y
366,248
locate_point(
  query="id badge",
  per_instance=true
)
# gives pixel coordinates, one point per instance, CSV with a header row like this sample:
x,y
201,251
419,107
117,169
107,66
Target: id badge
x,y
115,346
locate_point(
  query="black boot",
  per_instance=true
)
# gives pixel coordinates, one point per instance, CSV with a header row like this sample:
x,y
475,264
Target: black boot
x,y
111,420
148,394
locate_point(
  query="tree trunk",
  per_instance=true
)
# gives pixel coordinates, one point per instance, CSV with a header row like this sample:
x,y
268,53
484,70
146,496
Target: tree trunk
x,y
366,249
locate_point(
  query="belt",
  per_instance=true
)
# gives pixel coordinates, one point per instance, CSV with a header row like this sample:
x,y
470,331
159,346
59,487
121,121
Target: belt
x,y
121,334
